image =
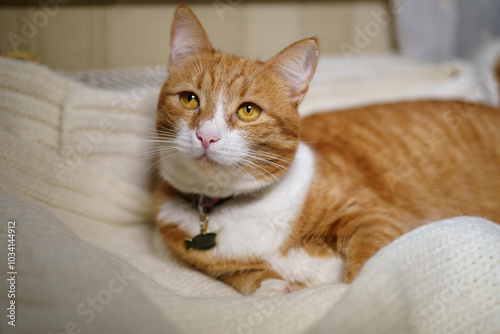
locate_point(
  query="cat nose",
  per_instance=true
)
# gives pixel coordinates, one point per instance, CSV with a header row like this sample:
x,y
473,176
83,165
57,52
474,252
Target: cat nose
x,y
208,136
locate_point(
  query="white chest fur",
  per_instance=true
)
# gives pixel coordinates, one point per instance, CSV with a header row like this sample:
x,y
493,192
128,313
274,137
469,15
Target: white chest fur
x,y
257,226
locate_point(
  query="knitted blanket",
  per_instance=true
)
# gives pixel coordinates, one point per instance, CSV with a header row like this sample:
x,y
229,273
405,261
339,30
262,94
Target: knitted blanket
x,y
76,174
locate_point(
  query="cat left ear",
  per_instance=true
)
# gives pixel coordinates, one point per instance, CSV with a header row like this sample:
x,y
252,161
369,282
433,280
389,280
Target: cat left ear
x,y
187,36
296,64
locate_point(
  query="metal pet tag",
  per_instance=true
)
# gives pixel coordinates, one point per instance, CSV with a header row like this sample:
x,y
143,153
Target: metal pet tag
x,y
203,241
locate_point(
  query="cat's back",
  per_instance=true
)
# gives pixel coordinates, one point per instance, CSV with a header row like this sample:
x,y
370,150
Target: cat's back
x,y
406,126
440,153
395,117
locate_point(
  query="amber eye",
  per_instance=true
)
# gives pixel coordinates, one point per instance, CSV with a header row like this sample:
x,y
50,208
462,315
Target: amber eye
x,y
249,111
189,100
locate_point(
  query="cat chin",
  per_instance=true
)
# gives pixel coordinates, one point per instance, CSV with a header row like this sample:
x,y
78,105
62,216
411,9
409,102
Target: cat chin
x,y
207,176
219,186
210,191
212,180
208,166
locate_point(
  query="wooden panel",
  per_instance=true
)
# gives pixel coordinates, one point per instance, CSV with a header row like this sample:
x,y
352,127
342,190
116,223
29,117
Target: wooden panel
x,y
270,28
330,22
18,30
138,36
9,37
97,3
98,55
371,27
65,41
113,36
224,24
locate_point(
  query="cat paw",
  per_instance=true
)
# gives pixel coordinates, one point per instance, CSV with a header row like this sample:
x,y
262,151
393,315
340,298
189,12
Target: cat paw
x,y
273,287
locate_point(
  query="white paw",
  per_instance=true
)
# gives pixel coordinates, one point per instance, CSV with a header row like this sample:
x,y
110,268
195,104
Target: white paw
x,y
273,287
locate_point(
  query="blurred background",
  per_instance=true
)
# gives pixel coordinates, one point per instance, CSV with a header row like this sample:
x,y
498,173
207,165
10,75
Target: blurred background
x,y
76,35
108,34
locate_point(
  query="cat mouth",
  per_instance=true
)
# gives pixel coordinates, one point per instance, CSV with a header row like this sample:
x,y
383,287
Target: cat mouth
x,y
205,161
213,163
205,157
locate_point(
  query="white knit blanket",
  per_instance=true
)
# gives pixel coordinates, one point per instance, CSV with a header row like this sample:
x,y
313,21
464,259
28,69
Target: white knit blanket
x,y
76,175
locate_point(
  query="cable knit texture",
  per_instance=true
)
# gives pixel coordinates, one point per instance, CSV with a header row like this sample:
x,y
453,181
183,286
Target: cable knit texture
x,y
75,175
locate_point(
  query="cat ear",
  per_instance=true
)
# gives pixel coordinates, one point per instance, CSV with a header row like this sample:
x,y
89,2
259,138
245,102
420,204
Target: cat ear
x,y
187,36
296,64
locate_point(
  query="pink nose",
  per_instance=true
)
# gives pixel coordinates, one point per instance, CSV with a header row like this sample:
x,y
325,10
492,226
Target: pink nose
x,y
208,136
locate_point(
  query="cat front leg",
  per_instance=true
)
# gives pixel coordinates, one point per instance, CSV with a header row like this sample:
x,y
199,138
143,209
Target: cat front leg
x,y
369,237
257,282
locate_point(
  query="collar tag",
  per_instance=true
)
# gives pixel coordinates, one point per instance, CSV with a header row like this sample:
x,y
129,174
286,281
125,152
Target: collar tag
x,y
205,240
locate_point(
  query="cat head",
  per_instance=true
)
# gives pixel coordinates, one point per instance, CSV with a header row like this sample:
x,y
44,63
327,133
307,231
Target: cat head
x,y
227,125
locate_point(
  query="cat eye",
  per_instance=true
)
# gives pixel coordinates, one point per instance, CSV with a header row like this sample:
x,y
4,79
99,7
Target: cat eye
x,y
189,100
249,111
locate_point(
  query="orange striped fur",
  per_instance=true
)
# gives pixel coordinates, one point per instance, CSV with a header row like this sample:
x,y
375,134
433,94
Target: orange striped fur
x,y
379,171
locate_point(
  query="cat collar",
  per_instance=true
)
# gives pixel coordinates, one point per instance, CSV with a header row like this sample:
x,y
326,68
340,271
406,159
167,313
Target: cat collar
x,y
205,240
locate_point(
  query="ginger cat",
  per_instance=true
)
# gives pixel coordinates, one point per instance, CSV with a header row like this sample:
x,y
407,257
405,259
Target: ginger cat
x,y
286,203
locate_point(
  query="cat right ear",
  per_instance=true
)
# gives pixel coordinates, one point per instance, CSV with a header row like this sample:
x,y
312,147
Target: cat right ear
x,y
187,36
296,64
